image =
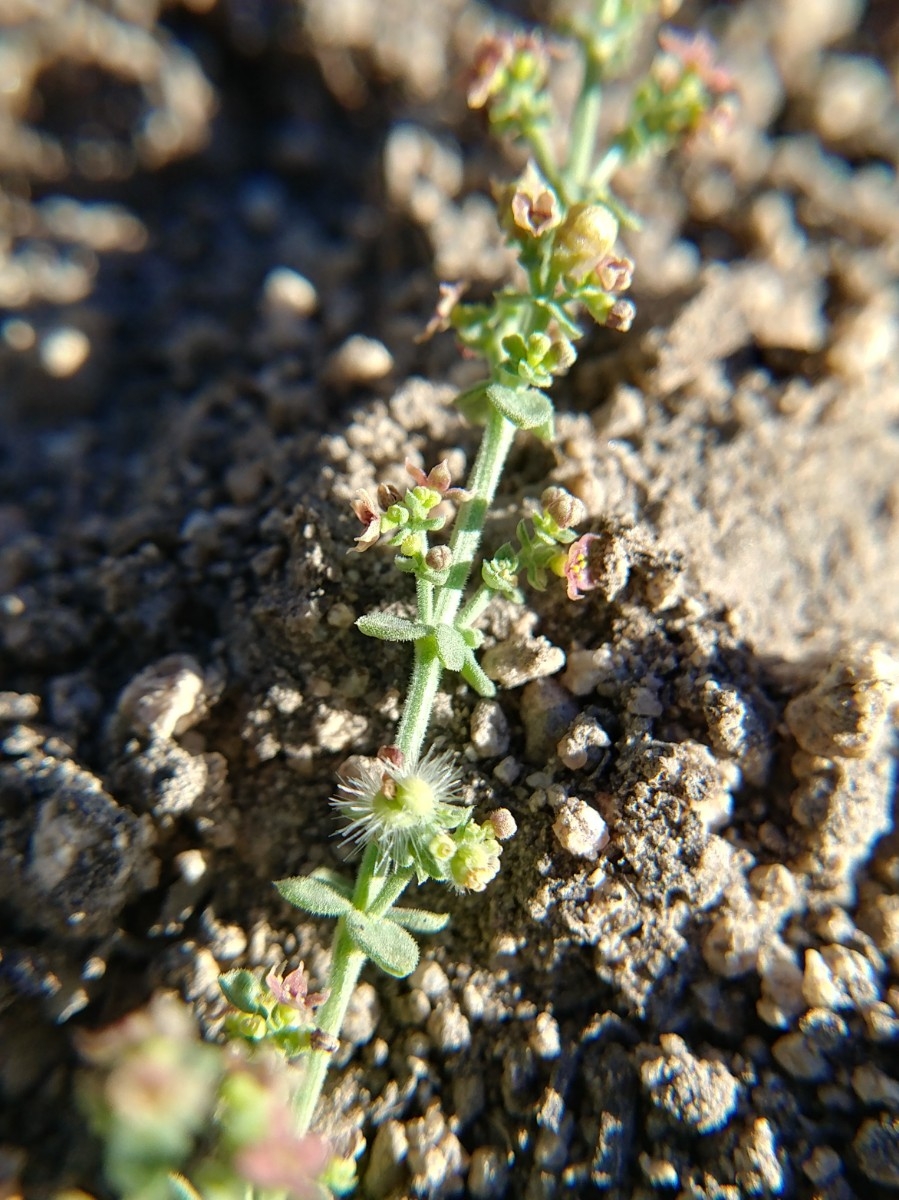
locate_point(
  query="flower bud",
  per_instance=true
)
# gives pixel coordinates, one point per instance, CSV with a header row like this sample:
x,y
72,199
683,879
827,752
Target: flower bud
x,y
439,558
621,315
319,1040
534,204
586,236
476,861
442,847
566,510
391,754
411,545
615,274
503,823
388,495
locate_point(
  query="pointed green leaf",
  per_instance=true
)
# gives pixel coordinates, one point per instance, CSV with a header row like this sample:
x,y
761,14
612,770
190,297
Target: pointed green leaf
x,y
390,628
473,674
313,896
525,407
419,920
451,647
387,945
244,991
334,880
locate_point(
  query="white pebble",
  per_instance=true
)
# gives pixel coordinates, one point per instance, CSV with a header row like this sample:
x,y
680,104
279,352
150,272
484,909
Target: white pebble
x,y
287,291
580,830
64,351
359,360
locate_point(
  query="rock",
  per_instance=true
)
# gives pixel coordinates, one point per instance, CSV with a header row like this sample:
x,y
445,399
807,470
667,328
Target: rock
x,y
165,699
846,712
876,1147
547,710
521,659
288,292
585,744
489,729
580,830
698,1094
386,1170
487,1173
71,857
358,362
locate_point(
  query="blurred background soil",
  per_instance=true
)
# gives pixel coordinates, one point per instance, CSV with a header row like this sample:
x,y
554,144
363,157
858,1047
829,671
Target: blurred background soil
x,y
222,224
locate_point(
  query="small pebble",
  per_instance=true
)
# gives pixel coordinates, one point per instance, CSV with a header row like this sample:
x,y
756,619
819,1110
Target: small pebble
x,y
360,360
507,771
18,334
289,292
487,1173
64,352
489,729
580,830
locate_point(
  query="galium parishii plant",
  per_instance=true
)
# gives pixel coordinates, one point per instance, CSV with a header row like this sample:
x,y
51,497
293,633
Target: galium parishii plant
x,y
236,1123
562,218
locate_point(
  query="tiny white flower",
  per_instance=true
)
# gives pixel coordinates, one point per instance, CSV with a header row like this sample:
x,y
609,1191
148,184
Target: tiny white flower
x,y
400,807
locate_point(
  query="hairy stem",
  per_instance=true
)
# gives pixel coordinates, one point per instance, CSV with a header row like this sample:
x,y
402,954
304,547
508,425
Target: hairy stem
x,y
469,524
475,606
346,963
373,892
464,543
585,124
426,672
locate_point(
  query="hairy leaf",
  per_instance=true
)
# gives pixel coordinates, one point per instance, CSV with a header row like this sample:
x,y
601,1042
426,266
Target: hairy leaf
x,y
526,407
383,941
244,991
419,920
334,880
473,674
390,628
313,896
451,647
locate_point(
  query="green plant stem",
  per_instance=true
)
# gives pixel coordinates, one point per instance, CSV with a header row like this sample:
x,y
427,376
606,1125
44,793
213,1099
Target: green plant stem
x,y
606,168
469,524
466,538
425,596
394,886
346,963
537,137
475,606
376,893
426,672
585,123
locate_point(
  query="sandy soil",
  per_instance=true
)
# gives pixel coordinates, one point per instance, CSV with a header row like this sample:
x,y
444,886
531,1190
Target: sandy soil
x,y
708,1006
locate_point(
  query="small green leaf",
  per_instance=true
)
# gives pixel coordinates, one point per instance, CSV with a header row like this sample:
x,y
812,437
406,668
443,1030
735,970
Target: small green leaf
x,y
500,573
390,628
244,991
313,896
334,880
473,674
419,920
525,407
383,941
472,404
451,647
